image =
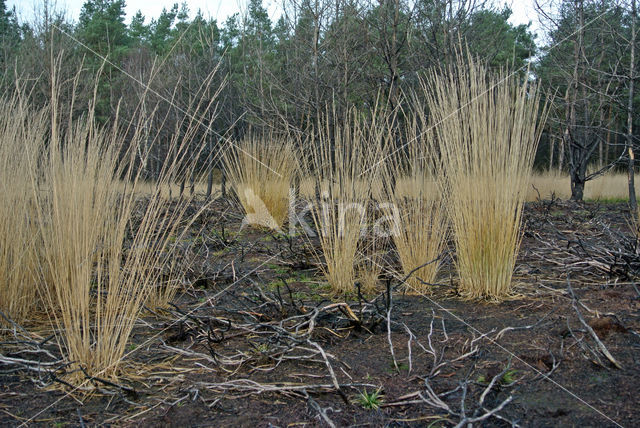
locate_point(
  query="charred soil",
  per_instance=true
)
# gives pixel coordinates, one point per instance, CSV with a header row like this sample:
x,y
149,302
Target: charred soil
x,y
257,339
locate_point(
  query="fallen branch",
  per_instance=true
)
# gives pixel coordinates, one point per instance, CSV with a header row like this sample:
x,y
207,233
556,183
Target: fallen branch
x,y
593,334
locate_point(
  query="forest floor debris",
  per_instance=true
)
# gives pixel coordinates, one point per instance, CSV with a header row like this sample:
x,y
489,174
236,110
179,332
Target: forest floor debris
x,y
257,339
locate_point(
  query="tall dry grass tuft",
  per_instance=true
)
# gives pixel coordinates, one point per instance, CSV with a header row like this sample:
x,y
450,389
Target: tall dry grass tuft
x,y
416,206
261,171
487,132
341,155
370,264
100,265
82,225
22,136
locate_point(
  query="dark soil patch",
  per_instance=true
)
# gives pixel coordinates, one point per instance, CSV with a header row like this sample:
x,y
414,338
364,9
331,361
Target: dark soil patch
x,y
239,348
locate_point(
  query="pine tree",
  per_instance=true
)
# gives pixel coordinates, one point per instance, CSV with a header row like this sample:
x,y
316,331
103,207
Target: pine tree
x,y
161,30
9,33
102,30
138,32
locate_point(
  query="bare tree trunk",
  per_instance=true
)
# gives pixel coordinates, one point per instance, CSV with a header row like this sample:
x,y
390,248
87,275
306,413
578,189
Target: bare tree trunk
x,y
393,56
601,143
209,183
552,147
577,182
608,144
210,175
561,154
345,62
223,185
633,204
564,141
316,56
577,168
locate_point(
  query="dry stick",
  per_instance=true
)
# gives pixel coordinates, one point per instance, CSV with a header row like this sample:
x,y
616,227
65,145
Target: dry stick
x,y
256,387
28,364
464,387
585,348
433,399
593,334
525,327
322,412
331,372
82,425
554,364
495,379
490,413
389,305
409,347
436,366
431,351
15,325
127,390
622,260
633,284
32,351
307,320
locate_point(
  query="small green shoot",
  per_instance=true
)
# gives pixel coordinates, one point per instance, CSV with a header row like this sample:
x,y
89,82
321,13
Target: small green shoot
x,y
262,348
509,377
401,367
280,270
370,401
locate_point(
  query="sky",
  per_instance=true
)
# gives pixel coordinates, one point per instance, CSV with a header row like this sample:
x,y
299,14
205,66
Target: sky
x,y
523,11
219,9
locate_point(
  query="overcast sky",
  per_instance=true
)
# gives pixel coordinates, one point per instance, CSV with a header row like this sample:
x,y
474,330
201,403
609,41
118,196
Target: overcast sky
x,y
220,9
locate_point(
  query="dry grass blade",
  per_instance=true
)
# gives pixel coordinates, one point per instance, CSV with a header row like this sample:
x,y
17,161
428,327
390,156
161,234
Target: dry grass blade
x,y
419,228
486,127
338,163
370,263
80,223
22,135
261,171
97,268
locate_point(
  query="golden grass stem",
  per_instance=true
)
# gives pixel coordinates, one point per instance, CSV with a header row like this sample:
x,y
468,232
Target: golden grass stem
x,y
261,171
96,269
340,160
419,228
487,132
22,135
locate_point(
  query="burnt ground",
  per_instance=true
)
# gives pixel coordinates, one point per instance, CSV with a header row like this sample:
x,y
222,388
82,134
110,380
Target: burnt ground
x,y
257,339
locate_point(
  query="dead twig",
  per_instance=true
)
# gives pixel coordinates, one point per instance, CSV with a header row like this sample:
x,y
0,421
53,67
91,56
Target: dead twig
x,y
592,333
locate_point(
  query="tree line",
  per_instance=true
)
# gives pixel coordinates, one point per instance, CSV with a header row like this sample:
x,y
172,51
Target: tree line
x,y
280,76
